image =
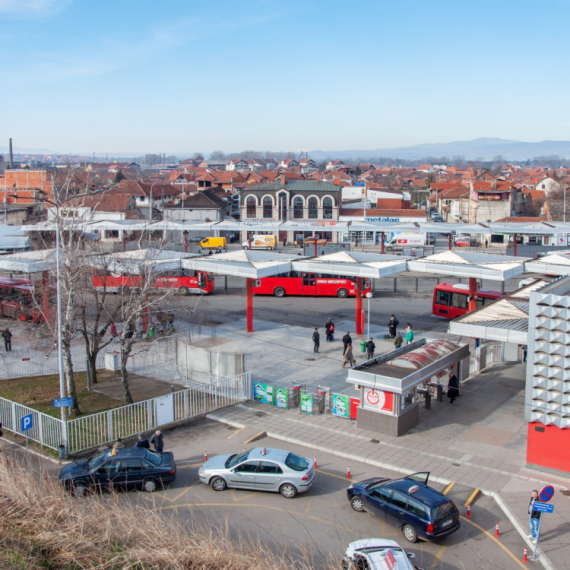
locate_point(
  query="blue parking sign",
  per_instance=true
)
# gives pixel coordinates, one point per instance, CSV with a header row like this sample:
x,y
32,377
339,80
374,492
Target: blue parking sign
x,y
27,422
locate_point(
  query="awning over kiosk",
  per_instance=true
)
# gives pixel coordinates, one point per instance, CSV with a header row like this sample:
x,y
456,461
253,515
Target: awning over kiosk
x,y
555,264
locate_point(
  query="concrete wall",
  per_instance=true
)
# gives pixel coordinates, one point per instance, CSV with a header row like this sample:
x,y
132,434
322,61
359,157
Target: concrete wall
x,y
209,361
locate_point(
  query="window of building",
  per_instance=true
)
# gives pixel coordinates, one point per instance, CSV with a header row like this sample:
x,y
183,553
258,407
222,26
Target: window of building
x,y
267,207
282,206
298,208
250,207
327,208
313,208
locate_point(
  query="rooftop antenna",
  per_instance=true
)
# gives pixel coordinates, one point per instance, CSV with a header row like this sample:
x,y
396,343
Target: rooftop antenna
x,y
10,156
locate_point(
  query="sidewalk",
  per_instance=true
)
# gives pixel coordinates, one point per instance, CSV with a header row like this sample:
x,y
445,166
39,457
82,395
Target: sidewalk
x,y
479,442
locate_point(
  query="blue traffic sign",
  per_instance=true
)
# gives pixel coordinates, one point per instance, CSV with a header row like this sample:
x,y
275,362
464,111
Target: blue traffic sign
x,y
546,493
27,422
542,507
62,402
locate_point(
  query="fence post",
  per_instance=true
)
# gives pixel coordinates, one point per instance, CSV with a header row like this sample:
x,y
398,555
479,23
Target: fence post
x,y
186,413
149,414
110,425
14,417
41,427
216,395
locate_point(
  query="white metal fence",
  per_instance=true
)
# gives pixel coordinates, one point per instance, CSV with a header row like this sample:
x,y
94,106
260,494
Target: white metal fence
x,y
484,356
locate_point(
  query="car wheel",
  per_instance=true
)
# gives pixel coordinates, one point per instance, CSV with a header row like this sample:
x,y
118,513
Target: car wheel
x,y
288,490
79,490
184,291
342,293
219,484
149,485
357,504
279,292
410,533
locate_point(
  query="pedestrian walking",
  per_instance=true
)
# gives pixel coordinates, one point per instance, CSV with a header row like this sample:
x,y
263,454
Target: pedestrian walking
x,y
398,341
284,241
533,517
486,243
370,347
7,339
316,340
329,329
409,334
348,356
158,441
346,340
142,441
452,388
170,321
392,325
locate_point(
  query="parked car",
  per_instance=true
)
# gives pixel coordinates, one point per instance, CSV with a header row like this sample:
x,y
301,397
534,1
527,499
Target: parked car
x,y
462,242
197,239
419,511
129,467
259,469
430,239
377,554
437,218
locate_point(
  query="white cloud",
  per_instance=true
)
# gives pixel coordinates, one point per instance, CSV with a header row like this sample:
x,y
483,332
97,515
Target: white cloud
x,y
32,8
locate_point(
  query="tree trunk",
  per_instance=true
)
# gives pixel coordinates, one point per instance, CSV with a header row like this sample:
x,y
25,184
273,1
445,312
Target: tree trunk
x,y
125,381
92,359
72,393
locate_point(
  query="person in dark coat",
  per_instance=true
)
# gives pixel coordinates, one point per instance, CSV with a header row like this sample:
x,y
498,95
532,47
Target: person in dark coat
x,y
392,325
7,339
370,347
316,340
142,441
452,388
329,329
346,340
157,441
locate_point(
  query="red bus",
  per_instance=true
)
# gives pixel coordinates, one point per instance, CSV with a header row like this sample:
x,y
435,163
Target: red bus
x,y
310,284
185,281
18,301
450,300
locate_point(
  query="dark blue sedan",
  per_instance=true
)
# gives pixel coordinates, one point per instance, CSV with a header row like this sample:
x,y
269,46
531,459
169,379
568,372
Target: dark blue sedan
x,y
127,468
409,504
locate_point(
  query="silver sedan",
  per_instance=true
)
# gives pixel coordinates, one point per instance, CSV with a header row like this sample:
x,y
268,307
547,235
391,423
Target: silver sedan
x,y
259,469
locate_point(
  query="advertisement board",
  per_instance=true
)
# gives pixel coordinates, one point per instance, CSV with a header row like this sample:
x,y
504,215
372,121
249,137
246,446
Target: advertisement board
x,y
378,400
282,398
263,393
341,406
306,403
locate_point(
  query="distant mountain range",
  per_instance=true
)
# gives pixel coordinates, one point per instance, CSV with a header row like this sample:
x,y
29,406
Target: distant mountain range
x,y
482,148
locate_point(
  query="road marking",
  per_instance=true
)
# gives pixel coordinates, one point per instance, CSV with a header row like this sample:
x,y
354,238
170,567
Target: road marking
x,y
308,505
183,492
496,541
448,488
236,432
259,435
332,474
438,555
189,465
471,498
236,500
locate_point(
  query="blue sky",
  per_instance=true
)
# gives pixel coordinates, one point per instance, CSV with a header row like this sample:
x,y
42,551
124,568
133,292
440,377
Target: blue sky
x,y
182,76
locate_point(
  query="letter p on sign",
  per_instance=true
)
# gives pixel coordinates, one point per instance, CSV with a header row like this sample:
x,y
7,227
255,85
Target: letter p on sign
x,y
27,422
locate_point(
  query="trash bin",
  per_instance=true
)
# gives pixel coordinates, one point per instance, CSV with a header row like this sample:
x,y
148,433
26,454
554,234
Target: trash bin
x,y
151,332
61,450
362,345
296,395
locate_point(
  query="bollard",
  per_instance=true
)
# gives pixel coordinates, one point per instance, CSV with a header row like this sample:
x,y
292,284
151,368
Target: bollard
x,y
497,533
525,557
348,475
315,463
205,456
469,512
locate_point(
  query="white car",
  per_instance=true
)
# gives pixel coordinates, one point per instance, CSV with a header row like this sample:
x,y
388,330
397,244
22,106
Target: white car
x,y
377,554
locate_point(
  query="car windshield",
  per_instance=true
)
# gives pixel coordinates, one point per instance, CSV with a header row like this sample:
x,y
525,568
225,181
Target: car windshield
x,y
96,462
442,511
233,460
296,462
154,458
380,484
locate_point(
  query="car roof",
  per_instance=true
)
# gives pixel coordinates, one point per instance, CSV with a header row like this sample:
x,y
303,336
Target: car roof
x,y
271,454
127,453
424,494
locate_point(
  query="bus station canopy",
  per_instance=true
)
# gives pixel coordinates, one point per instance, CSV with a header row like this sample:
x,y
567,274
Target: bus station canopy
x,y
479,265
554,264
139,260
505,319
29,261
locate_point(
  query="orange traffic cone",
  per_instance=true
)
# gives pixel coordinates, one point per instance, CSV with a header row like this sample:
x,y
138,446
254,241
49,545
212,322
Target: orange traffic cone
x,y
469,512
205,456
497,533
525,558
315,463
348,475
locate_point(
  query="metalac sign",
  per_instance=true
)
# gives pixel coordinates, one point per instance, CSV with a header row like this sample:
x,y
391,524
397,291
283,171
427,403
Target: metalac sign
x,y
306,403
282,398
263,393
341,406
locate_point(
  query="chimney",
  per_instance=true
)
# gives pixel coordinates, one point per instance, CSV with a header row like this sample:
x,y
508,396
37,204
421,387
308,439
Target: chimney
x,y
10,156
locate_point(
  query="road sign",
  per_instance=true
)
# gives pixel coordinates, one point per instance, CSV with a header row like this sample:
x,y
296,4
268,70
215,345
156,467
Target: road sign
x,y
27,422
542,507
62,402
546,493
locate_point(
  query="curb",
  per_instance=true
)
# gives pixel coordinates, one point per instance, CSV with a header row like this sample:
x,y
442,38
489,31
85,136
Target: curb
x,y
36,453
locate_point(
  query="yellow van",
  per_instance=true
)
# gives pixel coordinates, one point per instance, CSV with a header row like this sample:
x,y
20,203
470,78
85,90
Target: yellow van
x,y
260,241
218,243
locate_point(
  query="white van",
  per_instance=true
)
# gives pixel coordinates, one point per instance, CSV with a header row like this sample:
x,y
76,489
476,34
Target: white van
x,y
260,241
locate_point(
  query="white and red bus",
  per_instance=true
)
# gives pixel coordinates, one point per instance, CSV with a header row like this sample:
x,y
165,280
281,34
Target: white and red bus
x,y
185,281
310,284
451,300
18,301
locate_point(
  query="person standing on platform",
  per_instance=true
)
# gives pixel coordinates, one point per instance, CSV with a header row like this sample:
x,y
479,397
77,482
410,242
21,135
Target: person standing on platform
x,y
316,340
346,340
392,325
409,334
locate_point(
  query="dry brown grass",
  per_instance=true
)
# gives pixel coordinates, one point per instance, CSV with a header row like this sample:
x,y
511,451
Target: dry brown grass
x,y
43,527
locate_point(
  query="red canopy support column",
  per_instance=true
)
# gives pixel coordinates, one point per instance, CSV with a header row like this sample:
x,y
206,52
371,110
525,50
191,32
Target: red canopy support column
x,y
249,294
382,242
449,240
185,242
315,238
45,295
472,294
124,242
515,245
359,305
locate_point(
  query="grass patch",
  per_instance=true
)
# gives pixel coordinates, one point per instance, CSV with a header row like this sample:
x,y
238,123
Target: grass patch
x,y
39,392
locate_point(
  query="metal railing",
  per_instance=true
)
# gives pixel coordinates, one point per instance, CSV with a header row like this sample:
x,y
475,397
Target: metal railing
x,y
484,356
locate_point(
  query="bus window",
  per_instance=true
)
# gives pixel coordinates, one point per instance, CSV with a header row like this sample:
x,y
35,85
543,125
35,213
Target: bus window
x,y
443,298
305,279
459,300
480,302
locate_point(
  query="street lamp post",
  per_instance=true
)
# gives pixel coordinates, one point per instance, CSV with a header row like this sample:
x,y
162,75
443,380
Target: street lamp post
x,y
368,296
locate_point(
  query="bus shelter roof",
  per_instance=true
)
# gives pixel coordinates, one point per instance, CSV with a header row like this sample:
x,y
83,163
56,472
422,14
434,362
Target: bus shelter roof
x,y
482,265
242,263
137,261
353,264
505,319
554,264
29,261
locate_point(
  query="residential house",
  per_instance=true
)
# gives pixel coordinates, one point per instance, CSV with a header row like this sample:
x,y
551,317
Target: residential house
x,y
201,206
334,164
308,165
239,164
491,200
288,163
155,195
453,204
